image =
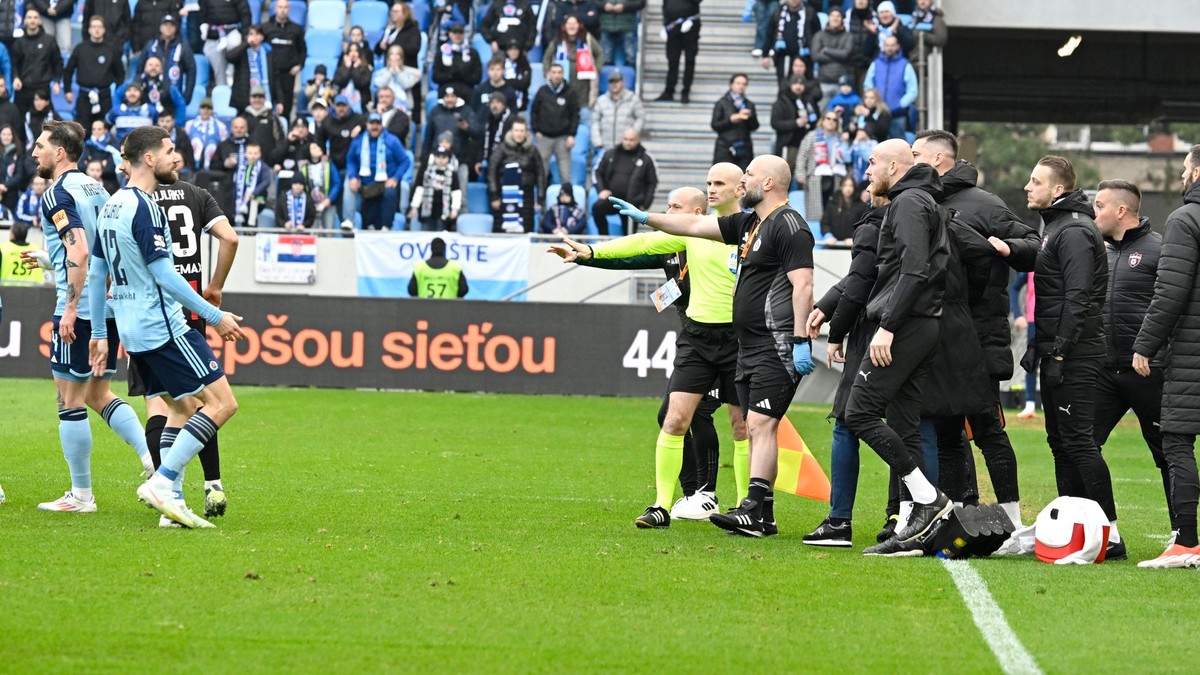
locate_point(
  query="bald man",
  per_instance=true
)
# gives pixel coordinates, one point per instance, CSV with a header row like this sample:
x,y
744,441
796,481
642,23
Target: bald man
x,y
773,289
907,302
705,354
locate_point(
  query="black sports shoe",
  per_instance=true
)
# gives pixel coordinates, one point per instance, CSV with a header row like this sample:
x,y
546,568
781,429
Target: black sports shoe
x,y
889,528
1115,551
741,520
924,516
770,529
828,534
666,96
653,516
894,548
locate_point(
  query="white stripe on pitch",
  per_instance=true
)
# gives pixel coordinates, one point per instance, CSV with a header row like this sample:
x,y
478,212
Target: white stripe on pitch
x,y
989,618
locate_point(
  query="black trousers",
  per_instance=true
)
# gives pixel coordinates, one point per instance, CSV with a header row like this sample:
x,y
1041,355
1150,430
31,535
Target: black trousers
x,y
1070,407
83,108
686,44
283,90
987,430
701,447
894,392
1180,453
602,209
1120,390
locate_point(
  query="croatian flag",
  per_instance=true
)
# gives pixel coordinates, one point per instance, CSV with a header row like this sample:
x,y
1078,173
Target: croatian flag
x,y
285,259
297,249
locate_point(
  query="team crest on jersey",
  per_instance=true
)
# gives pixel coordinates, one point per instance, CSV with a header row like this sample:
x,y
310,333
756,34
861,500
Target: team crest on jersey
x,y
757,245
102,58
1135,259
510,10
212,365
160,241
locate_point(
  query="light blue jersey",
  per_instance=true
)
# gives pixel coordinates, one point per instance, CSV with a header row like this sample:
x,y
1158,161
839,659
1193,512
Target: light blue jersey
x,y
132,232
70,204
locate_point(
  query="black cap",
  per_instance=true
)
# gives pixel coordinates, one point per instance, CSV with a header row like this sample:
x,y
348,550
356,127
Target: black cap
x,y
168,18
844,80
457,28
441,151
320,69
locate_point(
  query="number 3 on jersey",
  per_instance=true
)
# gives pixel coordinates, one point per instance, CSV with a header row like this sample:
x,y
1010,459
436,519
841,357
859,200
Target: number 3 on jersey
x,y
182,222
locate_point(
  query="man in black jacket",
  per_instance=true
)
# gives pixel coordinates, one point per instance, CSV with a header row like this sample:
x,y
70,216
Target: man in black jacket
x,y
681,25
96,65
1071,280
509,21
907,301
147,21
36,62
1018,247
117,19
554,120
795,24
1133,250
734,119
1172,327
456,63
177,58
338,130
288,52
627,172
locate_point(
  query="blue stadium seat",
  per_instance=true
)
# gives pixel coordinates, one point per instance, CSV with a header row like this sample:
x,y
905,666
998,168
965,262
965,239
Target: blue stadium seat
x,y
484,49
327,15
203,73
372,15
627,71
823,17
59,101
193,107
221,107
477,198
420,10
535,54
256,11
553,189
310,67
906,20
298,12
796,201
325,45
475,223
536,78
424,53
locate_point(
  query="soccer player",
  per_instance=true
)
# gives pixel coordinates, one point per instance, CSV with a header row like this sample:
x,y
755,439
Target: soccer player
x,y
706,352
133,243
191,210
773,286
70,207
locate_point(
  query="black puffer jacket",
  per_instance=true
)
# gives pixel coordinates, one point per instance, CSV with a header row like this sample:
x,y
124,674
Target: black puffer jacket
x,y
1071,281
784,113
844,303
986,214
913,251
735,135
642,180
1132,266
1172,326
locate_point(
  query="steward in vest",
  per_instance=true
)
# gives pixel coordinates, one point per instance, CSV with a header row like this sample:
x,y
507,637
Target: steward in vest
x,y
437,277
12,270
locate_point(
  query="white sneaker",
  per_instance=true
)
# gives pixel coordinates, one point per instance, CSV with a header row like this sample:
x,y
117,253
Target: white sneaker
x,y
163,501
699,506
193,521
69,503
1029,411
756,53
164,521
347,225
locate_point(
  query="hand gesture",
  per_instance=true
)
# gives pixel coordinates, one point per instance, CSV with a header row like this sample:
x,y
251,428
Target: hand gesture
x,y
228,328
815,319
570,250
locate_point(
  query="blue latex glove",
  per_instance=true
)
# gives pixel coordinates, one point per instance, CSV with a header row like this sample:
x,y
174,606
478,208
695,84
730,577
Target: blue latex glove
x,y
630,211
802,357
748,15
805,51
780,45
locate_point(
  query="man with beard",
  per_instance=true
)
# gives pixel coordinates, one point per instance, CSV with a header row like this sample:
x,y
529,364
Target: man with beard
x,y
1071,281
1172,327
190,210
70,207
772,288
496,123
174,361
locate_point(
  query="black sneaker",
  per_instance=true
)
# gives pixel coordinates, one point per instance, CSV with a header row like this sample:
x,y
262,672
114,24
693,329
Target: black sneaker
x,y
1115,551
770,529
654,516
894,548
666,96
828,534
924,516
741,520
889,528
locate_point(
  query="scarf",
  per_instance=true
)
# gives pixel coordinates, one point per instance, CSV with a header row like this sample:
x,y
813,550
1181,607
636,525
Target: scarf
x,y
828,158
205,135
295,206
323,177
510,69
496,137
364,170
739,102
437,180
258,70
245,180
174,72
785,17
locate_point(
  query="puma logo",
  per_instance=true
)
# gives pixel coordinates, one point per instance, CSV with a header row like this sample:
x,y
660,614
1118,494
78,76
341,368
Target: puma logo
x,y
1066,409
863,374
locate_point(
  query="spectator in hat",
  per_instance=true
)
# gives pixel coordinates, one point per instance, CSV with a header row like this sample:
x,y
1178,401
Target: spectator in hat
x,y
295,206
445,16
888,25
319,89
456,63
626,172
132,112
617,110
438,197
845,100
206,132
396,76
298,139
395,118
497,120
565,216
375,165
176,56
554,120
833,51
495,83
353,76
95,65
147,23
288,51
517,73
580,56
452,123
509,21
266,129
338,130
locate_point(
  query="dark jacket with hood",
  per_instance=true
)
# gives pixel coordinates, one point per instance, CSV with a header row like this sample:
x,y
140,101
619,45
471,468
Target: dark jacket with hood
x,y
642,180
533,172
336,134
784,113
1071,282
1132,268
985,213
443,121
1171,328
734,135
913,251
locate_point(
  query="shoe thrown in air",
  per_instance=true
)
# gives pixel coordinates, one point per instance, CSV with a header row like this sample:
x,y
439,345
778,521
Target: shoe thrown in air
x,y
214,501
69,503
1175,556
889,528
653,517
924,516
894,548
699,506
741,520
830,534
164,501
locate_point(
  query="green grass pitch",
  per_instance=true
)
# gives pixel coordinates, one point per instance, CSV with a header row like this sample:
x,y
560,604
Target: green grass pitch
x,y
405,532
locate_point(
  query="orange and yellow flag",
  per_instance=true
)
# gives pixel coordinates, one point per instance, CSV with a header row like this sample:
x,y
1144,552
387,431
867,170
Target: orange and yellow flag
x,y
799,472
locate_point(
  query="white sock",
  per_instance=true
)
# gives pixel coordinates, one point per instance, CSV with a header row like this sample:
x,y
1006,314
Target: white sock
x,y
1113,536
920,488
82,494
1013,511
209,483
147,462
906,509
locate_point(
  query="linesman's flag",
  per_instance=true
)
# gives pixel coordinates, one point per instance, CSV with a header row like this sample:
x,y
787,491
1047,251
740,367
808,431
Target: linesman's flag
x,y
799,472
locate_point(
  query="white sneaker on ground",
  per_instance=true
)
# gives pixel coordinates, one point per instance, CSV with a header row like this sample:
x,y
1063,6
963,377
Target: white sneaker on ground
x,y
164,521
1028,411
699,506
163,501
69,503
193,521
756,53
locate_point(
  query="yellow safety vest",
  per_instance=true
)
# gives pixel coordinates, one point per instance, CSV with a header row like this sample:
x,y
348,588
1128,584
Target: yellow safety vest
x,y
437,282
12,271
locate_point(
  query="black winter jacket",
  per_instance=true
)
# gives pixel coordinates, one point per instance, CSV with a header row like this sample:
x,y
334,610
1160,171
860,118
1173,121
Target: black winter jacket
x,y
986,214
117,18
533,172
1132,267
1172,326
554,114
520,24
913,251
784,113
1071,281
463,71
730,135
36,60
147,17
642,183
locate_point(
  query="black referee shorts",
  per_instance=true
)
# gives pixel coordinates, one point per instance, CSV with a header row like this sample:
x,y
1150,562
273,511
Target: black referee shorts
x,y
766,378
137,386
706,360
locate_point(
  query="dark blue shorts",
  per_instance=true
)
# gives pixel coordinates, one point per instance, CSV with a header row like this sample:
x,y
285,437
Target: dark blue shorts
x,y
182,367
71,361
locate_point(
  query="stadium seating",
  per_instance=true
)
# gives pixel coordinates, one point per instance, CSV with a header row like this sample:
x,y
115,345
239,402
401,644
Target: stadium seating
x,y
423,55
327,15
420,12
475,223
796,201
477,198
553,189
203,73
485,51
298,12
372,15
325,45
255,12
221,107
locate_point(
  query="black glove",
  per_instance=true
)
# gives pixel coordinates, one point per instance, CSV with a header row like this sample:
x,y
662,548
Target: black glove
x,y
1029,361
1052,371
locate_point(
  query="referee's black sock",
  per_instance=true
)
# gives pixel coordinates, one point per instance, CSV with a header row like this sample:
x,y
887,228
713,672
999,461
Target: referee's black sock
x,y
154,430
759,489
768,508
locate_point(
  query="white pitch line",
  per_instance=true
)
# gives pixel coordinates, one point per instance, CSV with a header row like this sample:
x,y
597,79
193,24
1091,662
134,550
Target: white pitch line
x,y
989,618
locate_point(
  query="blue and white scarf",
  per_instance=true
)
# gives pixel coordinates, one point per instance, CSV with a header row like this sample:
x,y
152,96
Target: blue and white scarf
x,y
364,170
258,70
295,206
